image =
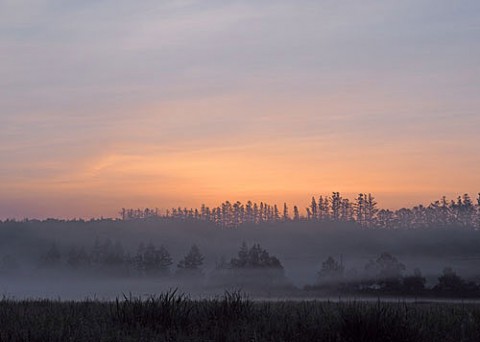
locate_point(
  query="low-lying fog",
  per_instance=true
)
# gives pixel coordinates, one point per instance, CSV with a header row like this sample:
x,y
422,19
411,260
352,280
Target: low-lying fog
x,y
105,259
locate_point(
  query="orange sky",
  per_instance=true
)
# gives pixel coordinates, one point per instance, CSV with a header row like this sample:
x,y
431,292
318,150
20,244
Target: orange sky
x,y
257,164
163,104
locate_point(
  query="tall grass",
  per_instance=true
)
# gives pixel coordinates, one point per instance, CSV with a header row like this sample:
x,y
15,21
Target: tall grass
x,y
174,316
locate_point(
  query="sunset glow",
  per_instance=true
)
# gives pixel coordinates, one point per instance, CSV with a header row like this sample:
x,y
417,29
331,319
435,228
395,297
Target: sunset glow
x,y
180,103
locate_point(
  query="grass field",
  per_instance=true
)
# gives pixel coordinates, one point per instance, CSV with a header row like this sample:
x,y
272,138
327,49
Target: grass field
x,y
175,317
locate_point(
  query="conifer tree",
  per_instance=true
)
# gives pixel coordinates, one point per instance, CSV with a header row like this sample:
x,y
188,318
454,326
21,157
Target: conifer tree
x,y
276,214
163,260
249,217
309,214
192,262
370,210
360,209
313,207
336,201
331,269
296,214
254,257
285,212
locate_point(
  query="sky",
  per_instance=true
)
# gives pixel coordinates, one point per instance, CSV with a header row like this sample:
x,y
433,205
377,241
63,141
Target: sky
x,y
113,103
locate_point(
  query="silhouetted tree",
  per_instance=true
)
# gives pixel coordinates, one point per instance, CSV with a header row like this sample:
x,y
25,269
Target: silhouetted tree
x,y
285,212
276,213
336,201
449,281
254,257
192,262
370,210
242,260
346,210
323,208
313,210
405,218
249,217
256,215
385,219
150,260
360,210
465,210
296,215
415,283
387,270
163,260
309,214
331,269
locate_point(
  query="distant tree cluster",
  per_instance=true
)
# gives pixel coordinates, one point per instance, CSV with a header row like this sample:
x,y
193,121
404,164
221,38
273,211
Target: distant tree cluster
x,y
231,215
254,257
150,260
252,267
332,270
192,262
108,257
386,274
363,211
138,214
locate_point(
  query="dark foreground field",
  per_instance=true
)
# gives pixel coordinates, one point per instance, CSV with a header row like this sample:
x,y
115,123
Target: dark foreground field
x,y
173,317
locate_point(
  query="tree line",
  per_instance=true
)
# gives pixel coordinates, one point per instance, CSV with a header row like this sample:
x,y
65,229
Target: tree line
x,y
386,275
253,267
363,211
150,260
108,257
